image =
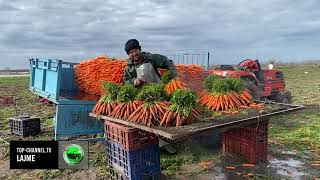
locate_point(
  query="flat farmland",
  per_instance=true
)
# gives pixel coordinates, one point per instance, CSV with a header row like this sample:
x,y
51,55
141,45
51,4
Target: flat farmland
x,y
294,139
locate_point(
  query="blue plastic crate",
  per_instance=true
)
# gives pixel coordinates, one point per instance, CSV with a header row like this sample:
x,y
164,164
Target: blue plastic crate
x,y
137,164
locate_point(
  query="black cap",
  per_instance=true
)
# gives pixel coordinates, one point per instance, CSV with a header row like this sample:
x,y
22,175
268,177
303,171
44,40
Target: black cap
x,y
132,44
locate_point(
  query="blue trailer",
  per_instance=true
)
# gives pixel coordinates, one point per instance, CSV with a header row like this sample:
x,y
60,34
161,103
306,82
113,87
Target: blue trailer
x,y
55,80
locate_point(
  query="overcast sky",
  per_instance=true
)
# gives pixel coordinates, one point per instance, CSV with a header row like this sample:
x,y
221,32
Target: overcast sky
x,y
231,30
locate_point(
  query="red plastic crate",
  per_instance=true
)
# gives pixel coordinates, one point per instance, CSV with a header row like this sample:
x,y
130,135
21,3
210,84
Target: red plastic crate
x,y
46,101
130,138
249,142
6,100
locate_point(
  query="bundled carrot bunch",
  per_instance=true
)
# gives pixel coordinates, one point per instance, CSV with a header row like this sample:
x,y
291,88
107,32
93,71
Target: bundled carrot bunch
x,y
171,84
225,94
126,102
92,73
153,107
149,114
174,85
182,109
107,102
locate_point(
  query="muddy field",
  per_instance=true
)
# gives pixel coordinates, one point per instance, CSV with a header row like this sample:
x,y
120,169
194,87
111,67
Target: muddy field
x,y
294,139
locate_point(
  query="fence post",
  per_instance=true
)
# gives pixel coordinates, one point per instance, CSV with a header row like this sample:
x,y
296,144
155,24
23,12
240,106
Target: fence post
x,y
208,62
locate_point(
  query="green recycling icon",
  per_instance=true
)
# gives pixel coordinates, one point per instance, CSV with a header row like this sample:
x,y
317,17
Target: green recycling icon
x,y
73,154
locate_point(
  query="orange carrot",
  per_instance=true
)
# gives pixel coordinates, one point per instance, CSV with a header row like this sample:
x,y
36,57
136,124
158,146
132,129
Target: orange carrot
x,y
315,165
218,104
250,174
164,118
159,108
178,120
248,165
230,167
169,117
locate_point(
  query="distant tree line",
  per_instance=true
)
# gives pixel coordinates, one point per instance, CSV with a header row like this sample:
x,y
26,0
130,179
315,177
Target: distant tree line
x,y
8,70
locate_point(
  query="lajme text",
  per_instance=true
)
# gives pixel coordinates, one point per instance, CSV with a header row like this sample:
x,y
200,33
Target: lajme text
x,y
26,158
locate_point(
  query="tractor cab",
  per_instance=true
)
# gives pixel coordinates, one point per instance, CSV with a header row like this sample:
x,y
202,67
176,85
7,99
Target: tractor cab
x,y
254,67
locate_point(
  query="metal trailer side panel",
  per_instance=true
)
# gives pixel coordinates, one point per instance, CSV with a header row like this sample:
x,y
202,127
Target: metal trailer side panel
x,y
73,120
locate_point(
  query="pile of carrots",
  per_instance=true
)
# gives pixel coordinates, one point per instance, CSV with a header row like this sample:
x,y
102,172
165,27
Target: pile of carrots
x,y
191,70
192,75
91,73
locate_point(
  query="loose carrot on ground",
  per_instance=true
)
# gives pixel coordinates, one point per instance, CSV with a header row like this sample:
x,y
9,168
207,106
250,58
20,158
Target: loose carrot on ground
x,y
248,165
249,174
230,167
315,165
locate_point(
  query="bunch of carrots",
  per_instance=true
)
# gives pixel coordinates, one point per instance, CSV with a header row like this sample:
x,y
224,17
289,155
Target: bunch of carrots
x,y
154,105
225,94
90,74
108,102
104,108
125,109
149,114
172,118
182,109
126,102
174,85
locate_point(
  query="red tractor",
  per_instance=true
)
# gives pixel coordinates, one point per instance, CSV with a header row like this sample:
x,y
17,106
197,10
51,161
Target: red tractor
x,y
264,83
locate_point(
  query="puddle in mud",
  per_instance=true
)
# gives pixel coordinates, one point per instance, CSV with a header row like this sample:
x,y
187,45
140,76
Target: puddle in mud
x,y
289,167
218,173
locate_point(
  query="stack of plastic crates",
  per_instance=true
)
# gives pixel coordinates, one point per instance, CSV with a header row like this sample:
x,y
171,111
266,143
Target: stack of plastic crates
x,y
249,142
132,153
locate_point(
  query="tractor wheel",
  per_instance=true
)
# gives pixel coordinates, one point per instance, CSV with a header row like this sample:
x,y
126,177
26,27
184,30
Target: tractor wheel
x,y
285,97
255,91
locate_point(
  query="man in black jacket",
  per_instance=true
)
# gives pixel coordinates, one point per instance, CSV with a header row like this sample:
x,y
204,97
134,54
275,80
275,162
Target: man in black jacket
x,y
136,58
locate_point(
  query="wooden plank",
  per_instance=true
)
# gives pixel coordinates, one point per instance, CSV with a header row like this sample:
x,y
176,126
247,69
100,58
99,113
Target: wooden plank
x,y
217,127
252,118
